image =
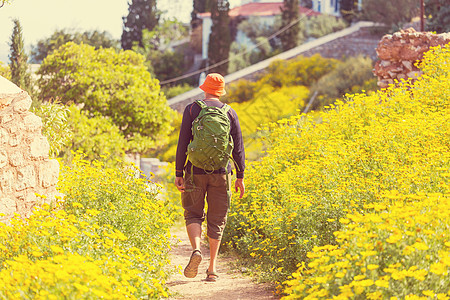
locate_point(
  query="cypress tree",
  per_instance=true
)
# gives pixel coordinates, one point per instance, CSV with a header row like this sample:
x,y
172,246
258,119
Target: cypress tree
x,y
347,9
289,14
199,6
220,38
142,14
19,59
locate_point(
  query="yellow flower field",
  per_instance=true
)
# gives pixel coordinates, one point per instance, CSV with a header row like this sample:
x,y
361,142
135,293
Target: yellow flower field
x,y
108,239
342,205
351,203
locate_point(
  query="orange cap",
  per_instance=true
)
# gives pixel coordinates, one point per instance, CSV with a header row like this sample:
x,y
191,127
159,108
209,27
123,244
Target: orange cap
x,y
214,84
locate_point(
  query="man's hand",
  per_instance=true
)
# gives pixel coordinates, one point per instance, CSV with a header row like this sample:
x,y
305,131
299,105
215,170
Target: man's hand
x,y
179,182
239,185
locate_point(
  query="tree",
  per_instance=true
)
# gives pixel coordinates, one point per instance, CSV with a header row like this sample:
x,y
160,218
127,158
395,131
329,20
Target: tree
x,y
394,14
347,9
3,2
114,85
162,61
19,59
289,14
220,37
438,15
199,6
94,38
142,14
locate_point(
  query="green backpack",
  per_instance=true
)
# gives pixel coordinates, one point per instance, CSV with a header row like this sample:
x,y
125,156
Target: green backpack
x,y
212,144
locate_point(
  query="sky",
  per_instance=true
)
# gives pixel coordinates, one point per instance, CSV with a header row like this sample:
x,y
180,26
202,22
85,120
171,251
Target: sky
x,y
41,18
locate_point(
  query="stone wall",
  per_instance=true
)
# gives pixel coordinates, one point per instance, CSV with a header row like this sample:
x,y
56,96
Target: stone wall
x,y
25,167
399,52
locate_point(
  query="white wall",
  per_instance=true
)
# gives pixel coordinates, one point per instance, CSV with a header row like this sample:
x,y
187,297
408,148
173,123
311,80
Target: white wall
x,y
329,7
206,30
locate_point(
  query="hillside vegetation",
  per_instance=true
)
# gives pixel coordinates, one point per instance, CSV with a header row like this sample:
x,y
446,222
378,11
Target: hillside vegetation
x,y
356,205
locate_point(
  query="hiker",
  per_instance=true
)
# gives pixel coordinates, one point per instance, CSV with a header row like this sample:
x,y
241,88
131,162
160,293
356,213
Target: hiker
x,y
215,184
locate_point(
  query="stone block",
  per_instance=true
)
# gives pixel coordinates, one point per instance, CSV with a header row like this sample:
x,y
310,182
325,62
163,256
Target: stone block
x,y
39,147
6,116
385,63
21,206
26,178
22,103
4,136
7,206
414,74
13,140
48,173
16,127
30,198
16,159
402,76
7,181
32,122
3,158
5,100
408,65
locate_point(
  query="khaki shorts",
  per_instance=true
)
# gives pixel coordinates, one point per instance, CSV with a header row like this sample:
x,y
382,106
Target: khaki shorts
x,y
218,197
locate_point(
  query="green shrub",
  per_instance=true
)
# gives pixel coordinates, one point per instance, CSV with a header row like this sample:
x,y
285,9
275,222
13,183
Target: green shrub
x,y
299,71
172,91
240,91
347,76
318,26
55,125
168,151
5,71
94,135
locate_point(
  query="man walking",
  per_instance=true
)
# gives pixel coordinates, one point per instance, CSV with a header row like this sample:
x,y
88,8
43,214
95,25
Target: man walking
x,y
214,183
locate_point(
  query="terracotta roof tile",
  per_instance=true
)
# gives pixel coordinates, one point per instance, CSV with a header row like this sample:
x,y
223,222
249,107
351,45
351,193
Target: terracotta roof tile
x,y
260,9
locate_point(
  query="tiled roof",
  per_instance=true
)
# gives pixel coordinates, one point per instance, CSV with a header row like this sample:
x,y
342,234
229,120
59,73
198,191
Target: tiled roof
x,y
261,9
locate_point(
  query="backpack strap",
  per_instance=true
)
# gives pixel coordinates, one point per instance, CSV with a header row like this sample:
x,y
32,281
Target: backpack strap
x,y
225,108
201,103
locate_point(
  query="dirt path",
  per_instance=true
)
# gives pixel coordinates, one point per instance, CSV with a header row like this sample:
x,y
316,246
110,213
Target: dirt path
x,y
231,284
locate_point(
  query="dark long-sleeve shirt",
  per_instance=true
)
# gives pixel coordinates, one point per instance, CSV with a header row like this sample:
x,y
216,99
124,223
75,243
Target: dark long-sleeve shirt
x,y
190,113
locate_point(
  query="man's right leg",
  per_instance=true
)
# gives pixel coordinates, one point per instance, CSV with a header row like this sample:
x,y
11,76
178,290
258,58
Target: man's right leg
x,y
193,204
194,231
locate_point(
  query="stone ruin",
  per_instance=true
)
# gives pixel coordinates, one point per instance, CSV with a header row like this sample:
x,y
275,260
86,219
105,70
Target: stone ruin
x,y
399,52
26,172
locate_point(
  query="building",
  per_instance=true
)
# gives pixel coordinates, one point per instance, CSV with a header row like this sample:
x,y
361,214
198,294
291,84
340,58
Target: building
x,y
329,7
265,10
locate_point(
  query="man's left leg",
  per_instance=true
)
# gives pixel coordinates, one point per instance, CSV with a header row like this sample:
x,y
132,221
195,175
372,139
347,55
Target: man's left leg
x,y
214,246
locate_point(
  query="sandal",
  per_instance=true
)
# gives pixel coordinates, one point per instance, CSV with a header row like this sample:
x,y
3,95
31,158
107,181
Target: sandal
x,y
211,276
191,269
